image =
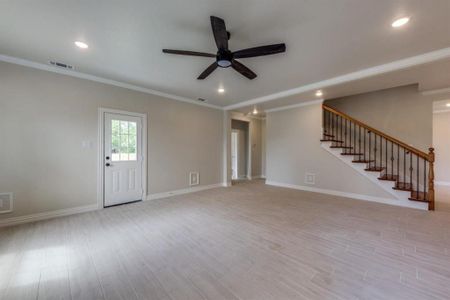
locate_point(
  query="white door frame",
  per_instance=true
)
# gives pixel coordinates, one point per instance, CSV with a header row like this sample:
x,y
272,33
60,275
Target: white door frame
x,y
100,157
249,145
237,153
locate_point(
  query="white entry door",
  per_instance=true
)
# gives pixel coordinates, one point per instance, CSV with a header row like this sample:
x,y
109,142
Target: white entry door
x,y
123,159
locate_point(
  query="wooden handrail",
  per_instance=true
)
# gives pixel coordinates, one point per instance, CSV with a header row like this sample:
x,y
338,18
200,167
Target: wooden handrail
x,y
418,152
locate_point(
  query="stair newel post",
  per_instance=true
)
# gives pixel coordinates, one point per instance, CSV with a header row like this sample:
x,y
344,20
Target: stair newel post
x,y
430,193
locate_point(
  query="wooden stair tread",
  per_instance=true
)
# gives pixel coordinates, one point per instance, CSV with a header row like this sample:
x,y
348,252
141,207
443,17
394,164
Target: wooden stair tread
x,y
374,169
330,140
388,177
403,186
352,153
362,161
342,147
418,196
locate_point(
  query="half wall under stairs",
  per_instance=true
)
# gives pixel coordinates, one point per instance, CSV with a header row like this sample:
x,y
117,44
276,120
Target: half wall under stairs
x,y
401,170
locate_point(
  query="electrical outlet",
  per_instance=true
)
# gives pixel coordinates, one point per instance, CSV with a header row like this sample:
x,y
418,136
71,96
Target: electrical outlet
x,y
6,202
194,178
310,178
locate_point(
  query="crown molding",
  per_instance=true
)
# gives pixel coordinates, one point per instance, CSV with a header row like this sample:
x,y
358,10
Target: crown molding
x,y
369,72
307,103
441,111
364,73
436,92
44,67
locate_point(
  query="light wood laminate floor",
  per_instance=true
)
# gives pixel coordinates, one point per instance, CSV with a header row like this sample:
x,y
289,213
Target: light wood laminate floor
x,y
250,241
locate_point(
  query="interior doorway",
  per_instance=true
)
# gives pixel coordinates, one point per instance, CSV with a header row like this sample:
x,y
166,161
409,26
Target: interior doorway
x,y
234,154
240,162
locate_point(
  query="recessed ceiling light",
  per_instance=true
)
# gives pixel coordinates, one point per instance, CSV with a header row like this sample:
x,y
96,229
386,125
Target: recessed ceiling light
x,y
448,104
319,93
81,45
221,90
255,111
400,22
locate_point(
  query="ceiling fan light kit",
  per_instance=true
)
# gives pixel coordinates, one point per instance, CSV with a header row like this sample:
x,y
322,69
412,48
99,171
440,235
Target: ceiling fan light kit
x,y
224,57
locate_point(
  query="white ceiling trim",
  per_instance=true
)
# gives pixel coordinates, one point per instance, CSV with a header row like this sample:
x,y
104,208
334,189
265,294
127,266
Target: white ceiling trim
x,y
436,92
307,103
40,66
372,71
441,111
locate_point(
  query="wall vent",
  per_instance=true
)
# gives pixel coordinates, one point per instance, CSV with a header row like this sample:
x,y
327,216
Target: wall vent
x,y
194,178
61,65
6,203
310,178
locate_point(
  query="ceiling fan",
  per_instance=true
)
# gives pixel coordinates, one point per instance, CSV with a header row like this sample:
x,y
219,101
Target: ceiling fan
x,y
224,57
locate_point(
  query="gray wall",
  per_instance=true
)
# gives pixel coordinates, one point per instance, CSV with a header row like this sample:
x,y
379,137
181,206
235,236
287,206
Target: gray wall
x,y
441,143
45,117
293,148
256,144
401,112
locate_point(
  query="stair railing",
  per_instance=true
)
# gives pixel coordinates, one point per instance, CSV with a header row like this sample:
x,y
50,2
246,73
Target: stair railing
x,y
411,169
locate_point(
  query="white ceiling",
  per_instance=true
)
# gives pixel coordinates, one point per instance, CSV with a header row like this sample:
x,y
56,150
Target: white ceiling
x,y
324,38
429,78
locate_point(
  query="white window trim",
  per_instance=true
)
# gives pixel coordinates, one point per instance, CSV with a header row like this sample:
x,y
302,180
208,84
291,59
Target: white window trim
x,y
100,160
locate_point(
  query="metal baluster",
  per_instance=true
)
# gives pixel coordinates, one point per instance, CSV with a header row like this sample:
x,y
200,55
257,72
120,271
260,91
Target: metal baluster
x,y
329,123
381,152
418,187
398,154
324,129
359,140
332,124
410,170
404,165
425,177
350,133
365,133
375,150
354,132
385,159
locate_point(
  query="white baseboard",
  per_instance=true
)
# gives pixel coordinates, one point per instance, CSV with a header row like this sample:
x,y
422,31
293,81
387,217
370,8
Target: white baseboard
x,y
442,183
392,201
185,191
47,215
259,177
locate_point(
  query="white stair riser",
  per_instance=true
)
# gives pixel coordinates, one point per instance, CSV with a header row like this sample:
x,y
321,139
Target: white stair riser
x,y
400,198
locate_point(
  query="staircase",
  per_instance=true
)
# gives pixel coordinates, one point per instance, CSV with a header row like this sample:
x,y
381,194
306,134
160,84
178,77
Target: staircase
x,y
404,171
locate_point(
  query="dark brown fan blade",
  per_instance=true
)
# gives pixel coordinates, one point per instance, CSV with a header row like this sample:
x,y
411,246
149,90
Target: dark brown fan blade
x,y
260,51
191,53
208,71
220,32
243,69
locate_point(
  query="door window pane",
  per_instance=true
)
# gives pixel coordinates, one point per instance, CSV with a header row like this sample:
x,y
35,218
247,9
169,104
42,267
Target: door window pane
x,y
123,140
